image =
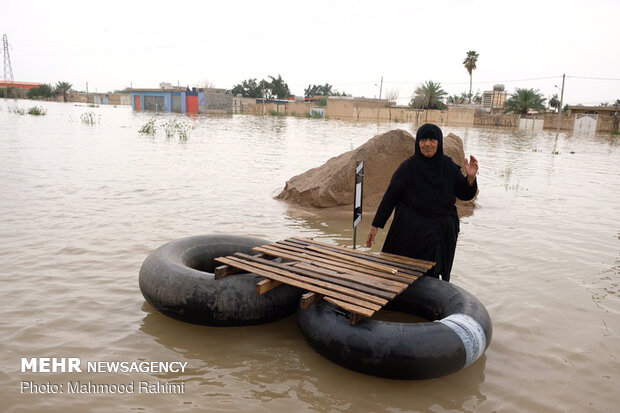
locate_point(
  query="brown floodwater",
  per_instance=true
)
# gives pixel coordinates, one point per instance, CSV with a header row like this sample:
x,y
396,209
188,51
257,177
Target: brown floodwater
x,y
82,205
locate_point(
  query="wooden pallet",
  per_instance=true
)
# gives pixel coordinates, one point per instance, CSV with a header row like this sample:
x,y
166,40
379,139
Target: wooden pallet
x,y
357,281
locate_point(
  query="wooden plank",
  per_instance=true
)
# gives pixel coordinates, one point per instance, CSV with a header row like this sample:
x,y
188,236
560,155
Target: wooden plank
x,y
267,265
391,257
398,263
266,285
358,261
349,307
224,270
311,273
373,282
299,247
354,318
413,261
309,299
332,264
343,259
388,278
285,278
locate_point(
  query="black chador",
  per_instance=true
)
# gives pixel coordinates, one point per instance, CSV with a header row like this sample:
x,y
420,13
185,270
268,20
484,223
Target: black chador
x,y
423,191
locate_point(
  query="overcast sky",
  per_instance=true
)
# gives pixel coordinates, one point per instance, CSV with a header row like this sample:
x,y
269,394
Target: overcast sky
x,y
349,44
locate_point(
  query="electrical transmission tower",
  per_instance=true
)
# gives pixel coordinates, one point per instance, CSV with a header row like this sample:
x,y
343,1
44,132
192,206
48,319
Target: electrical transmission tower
x,y
8,69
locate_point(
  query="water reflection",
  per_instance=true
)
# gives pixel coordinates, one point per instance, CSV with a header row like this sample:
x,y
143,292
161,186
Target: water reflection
x,y
274,362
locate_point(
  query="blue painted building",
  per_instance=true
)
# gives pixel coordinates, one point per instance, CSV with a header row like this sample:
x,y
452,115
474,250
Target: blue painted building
x,y
181,100
168,100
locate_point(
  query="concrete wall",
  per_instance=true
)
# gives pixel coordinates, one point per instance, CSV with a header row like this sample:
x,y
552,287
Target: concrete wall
x,y
604,123
368,111
551,121
219,101
71,97
292,108
240,104
112,98
508,121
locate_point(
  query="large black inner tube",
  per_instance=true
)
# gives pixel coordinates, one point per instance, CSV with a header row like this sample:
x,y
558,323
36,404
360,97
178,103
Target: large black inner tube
x,y
177,279
457,334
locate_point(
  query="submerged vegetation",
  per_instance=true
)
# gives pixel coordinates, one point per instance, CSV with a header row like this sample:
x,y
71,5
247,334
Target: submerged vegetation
x,y
33,110
89,118
17,110
37,111
171,128
174,127
148,128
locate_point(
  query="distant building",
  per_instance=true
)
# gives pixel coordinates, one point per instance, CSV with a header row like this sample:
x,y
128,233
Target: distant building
x,y
494,100
594,110
109,98
170,98
19,85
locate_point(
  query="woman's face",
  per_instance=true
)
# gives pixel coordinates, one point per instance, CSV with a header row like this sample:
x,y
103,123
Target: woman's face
x,y
428,147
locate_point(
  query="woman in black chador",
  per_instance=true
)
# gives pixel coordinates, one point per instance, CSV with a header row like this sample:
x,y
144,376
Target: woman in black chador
x,y
423,191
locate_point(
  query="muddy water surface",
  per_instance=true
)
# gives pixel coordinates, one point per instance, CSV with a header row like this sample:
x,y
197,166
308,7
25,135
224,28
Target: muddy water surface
x,y
81,206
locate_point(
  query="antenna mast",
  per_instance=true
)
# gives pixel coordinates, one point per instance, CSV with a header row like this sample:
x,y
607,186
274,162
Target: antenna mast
x,y
8,69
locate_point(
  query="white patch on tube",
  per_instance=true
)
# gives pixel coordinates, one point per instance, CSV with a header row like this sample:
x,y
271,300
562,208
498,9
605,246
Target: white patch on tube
x,y
471,334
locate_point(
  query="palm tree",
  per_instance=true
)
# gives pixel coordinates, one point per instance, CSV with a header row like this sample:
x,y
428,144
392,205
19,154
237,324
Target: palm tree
x,y
470,65
523,100
429,95
554,102
64,88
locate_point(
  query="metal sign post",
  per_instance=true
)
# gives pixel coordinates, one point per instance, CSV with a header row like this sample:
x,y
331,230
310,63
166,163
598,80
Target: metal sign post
x,y
357,204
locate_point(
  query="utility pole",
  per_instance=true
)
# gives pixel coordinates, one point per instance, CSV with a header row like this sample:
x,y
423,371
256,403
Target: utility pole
x,y
561,101
263,100
86,92
8,69
381,88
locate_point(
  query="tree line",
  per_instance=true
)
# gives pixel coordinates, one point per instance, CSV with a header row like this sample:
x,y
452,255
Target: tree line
x,y
44,91
276,87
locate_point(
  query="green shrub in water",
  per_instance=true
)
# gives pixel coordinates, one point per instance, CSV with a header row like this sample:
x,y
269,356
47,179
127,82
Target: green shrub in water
x,y
17,110
174,127
148,128
88,118
37,111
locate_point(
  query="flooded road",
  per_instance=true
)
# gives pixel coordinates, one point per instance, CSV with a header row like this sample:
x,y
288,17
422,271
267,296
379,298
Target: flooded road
x,y
82,205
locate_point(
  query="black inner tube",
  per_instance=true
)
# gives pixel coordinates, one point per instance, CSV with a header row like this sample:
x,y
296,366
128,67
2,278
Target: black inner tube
x,y
457,336
177,279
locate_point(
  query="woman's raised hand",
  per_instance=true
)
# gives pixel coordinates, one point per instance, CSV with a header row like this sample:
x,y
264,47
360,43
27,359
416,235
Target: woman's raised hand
x,y
471,168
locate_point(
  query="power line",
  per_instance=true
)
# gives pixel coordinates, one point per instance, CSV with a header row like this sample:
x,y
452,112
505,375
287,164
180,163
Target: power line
x,y
488,81
593,78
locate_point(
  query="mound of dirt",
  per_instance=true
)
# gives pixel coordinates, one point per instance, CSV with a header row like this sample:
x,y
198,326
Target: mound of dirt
x,y
332,184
